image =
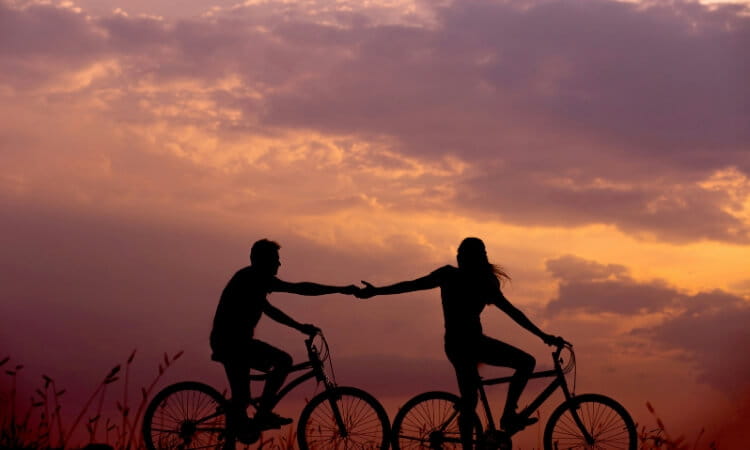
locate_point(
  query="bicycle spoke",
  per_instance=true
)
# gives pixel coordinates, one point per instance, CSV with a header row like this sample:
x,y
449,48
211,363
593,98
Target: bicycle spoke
x,y
603,419
185,416
363,429
429,421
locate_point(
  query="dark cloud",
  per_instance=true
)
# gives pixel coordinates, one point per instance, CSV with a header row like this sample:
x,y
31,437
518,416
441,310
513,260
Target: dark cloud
x,y
707,327
665,209
598,288
713,331
571,268
571,113
43,29
641,79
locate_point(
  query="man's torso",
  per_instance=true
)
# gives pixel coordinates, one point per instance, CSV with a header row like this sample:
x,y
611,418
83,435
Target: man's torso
x,y
240,308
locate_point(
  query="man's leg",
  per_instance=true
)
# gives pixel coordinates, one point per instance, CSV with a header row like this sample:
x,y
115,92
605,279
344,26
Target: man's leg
x,y
237,374
498,353
277,364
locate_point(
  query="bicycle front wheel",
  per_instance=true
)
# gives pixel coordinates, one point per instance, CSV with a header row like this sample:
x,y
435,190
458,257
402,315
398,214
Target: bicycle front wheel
x,y
430,421
343,418
590,421
187,415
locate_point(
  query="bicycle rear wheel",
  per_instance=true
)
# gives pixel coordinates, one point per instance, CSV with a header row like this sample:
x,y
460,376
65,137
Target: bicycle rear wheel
x,y
606,422
343,418
430,421
187,415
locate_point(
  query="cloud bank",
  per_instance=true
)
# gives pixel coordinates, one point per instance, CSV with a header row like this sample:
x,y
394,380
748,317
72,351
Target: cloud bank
x,y
547,113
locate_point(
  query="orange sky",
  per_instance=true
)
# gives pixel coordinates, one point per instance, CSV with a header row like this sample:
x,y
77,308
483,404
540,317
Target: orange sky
x,y
601,150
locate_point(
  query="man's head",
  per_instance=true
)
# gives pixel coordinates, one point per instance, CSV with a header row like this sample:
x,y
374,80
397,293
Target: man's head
x,y
264,255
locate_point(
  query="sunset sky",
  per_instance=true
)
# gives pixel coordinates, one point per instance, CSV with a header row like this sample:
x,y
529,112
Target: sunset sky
x,y
601,149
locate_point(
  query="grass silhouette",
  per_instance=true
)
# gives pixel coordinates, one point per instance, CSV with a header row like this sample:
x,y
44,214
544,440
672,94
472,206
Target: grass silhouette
x,y
659,438
40,425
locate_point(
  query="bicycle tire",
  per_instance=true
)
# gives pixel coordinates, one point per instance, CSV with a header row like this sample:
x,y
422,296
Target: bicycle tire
x,y
186,415
367,424
430,420
607,421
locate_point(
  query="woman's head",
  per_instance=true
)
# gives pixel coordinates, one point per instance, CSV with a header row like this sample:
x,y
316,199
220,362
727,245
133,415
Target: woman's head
x,y
472,256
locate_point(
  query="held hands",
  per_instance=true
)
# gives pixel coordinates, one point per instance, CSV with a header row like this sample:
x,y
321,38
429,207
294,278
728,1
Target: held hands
x,y
365,292
350,290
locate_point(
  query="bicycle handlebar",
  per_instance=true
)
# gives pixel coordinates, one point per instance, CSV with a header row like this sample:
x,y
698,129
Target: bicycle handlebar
x,y
559,348
311,337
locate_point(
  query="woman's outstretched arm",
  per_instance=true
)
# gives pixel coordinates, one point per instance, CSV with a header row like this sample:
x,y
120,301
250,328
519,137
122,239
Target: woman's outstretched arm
x,y
420,284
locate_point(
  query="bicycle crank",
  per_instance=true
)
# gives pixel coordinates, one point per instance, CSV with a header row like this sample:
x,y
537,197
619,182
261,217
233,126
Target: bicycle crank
x,y
496,440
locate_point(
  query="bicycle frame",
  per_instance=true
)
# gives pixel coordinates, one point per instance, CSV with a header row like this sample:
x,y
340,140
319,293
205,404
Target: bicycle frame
x,y
558,382
315,366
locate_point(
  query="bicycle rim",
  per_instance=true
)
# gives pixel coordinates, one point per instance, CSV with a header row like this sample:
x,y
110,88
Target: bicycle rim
x,y
429,421
343,418
185,415
606,422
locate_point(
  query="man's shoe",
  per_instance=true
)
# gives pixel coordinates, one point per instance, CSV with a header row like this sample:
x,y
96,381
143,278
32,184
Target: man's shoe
x,y
268,419
516,422
243,428
248,434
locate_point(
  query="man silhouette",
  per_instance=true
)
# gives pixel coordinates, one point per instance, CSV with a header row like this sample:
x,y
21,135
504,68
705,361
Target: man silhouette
x,y
241,306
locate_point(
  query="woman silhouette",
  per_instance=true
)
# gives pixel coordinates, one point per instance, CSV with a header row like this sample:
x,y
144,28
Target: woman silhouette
x,y
465,290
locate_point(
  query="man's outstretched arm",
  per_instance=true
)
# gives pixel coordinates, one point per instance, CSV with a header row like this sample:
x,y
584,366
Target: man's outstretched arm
x,y
310,288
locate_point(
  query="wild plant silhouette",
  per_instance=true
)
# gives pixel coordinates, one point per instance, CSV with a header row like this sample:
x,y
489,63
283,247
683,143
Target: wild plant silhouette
x,y
40,423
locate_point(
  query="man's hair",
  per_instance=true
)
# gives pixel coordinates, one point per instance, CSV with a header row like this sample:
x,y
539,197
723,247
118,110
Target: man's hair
x,y
262,249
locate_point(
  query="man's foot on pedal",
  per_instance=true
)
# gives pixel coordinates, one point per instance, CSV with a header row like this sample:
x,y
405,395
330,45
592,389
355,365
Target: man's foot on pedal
x,y
248,434
268,419
243,428
516,422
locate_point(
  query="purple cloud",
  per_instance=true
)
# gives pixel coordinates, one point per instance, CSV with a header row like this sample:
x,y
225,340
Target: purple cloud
x,y
598,288
708,327
713,330
566,114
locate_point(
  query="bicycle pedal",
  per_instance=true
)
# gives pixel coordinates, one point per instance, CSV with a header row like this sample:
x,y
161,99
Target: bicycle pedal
x,y
497,440
247,435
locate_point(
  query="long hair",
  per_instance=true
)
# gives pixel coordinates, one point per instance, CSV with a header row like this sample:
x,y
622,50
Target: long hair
x,y
472,256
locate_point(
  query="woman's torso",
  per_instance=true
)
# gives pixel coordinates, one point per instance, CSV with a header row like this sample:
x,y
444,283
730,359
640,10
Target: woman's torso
x,y
464,295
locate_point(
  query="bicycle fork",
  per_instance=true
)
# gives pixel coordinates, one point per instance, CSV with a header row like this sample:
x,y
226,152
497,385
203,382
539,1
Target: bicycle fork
x,y
343,432
576,418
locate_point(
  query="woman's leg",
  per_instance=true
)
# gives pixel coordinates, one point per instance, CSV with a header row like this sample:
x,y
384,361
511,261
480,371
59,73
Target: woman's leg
x,y
499,353
467,376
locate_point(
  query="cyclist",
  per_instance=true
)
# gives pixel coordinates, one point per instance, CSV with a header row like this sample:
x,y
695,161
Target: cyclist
x,y
465,291
242,303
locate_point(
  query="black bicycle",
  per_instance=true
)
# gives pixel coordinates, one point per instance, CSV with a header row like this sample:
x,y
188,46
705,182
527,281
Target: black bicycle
x,y
587,421
192,415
